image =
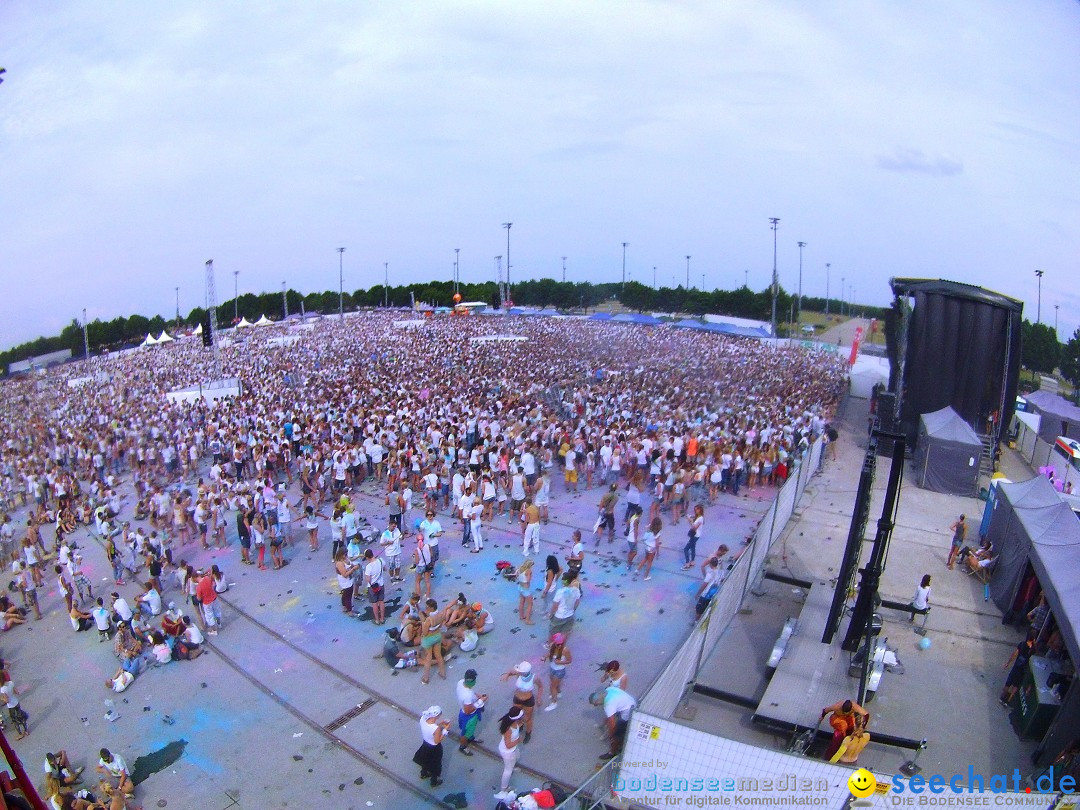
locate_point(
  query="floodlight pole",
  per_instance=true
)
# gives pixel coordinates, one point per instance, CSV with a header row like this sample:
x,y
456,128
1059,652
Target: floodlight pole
x,y
85,337
688,273
564,269
386,284
1038,310
235,298
775,221
457,268
340,282
507,226
801,246
624,244
284,302
828,266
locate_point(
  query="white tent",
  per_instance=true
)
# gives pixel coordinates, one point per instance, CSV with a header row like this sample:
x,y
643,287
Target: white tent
x,y
198,330
264,321
164,337
150,340
244,324
867,371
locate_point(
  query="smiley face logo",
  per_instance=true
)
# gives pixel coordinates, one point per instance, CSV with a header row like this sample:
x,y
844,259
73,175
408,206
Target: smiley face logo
x,y
862,783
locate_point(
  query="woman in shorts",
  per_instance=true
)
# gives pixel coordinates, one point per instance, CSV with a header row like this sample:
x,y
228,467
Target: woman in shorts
x,y
431,638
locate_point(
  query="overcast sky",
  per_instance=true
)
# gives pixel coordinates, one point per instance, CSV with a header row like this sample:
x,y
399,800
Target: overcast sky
x,y
896,139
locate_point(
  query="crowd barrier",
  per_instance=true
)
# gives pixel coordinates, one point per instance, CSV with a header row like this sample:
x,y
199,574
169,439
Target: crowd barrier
x,y
675,682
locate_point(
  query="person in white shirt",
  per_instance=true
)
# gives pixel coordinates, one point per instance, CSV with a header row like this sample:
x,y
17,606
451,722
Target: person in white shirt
x,y
121,608
390,540
149,601
470,710
113,765
432,531
374,570
618,705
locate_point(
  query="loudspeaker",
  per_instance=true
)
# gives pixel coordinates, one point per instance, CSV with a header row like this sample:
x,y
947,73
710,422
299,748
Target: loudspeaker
x,y
207,334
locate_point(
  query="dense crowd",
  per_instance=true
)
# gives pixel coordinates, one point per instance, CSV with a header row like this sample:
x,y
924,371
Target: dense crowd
x,y
473,430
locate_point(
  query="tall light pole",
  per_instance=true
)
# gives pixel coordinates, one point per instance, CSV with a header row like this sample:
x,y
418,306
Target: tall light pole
x,y
801,246
457,267
235,297
1055,323
564,269
177,307
386,284
507,226
775,222
1038,310
340,283
842,296
624,244
827,268
654,277
284,302
688,272
85,337
746,279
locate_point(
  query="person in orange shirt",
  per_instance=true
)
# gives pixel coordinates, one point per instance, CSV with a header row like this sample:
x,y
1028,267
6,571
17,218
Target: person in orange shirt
x,y
843,722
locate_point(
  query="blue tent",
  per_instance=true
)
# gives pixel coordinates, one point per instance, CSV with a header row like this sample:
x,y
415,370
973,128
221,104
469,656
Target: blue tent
x,y
548,313
689,323
735,331
600,316
644,320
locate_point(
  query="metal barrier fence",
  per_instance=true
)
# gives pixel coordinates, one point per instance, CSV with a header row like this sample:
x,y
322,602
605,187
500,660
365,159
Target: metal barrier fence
x,y
675,682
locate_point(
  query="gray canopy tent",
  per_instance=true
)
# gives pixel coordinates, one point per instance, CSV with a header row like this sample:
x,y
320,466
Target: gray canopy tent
x,y
947,454
1059,416
1031,525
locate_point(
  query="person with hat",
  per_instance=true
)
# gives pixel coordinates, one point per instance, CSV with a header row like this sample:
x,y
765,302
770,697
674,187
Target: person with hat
x,y
429,755
528,692
470,711
482,618
558,656
509,748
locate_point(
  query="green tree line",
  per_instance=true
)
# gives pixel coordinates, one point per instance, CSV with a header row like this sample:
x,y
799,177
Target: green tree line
x,y
566,295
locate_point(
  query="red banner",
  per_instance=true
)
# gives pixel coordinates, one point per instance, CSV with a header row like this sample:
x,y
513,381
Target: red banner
x,y
855,346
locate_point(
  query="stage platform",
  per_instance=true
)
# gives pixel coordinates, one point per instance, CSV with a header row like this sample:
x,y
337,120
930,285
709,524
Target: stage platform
x,y
811,675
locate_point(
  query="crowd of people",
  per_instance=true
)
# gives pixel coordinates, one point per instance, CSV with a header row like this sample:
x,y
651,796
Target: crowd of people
x,y
449,430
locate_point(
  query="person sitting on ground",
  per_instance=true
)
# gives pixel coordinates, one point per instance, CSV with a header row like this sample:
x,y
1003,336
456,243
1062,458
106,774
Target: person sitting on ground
x,y
188,646
12,616
469,638
59,766
113,766
393,653
456,612
172,623
160,649
59,798
80,620
149,601
483,620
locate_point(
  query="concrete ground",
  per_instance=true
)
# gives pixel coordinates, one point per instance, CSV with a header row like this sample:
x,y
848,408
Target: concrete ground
x,y
248,720
948,693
